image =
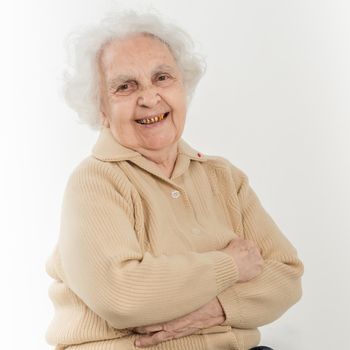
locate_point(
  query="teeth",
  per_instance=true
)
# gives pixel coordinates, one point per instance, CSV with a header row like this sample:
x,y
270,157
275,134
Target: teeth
x,y
151,120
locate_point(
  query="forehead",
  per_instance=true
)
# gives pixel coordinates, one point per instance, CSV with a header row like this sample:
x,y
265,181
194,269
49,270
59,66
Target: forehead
x,y
135,55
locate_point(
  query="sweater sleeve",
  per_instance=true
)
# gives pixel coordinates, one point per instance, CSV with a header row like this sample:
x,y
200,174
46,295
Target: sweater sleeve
x,y
266,297
104,264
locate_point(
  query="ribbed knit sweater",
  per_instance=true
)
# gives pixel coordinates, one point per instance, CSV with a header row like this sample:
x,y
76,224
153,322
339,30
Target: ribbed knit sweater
x,y
137,248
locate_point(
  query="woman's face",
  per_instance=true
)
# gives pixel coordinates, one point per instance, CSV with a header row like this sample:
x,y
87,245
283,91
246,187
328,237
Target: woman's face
x,y
140,80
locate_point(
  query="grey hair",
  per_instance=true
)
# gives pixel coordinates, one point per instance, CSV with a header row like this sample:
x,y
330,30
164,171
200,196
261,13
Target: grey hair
x,y
80,86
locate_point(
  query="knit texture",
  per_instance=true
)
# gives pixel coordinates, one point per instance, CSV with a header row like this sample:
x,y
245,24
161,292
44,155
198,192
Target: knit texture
x,y
137,248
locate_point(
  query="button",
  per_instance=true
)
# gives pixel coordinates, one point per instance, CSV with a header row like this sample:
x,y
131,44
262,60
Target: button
x,y
175,194
196,231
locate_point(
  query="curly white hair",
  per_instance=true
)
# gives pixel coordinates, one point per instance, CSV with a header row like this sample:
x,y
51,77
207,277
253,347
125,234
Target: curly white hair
x,y
80,88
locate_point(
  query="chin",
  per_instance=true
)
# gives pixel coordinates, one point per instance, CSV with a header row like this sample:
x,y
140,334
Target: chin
x,y
160,144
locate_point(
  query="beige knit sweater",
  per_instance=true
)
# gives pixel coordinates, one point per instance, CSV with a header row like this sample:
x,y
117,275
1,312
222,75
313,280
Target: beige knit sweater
x,y
137,248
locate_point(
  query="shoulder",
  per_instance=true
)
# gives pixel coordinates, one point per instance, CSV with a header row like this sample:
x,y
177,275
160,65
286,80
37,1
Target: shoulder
x,y
222,166
92,174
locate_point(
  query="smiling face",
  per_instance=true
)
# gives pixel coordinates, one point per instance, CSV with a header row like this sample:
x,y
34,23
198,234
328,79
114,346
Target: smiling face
x,y
143,99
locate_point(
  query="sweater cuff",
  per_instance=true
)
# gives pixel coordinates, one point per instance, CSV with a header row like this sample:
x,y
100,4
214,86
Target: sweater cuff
x,y
229,301
225,270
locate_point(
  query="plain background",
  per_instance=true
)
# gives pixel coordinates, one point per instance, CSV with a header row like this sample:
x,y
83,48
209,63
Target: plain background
x,y
275,101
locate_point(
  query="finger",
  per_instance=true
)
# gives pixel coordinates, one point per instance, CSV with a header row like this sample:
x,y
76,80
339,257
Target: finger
x,y
185,332
153,339
179,323
149,329
171,326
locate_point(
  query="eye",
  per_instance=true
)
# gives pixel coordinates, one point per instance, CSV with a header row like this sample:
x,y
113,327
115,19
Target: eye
x,y
163,77
125,88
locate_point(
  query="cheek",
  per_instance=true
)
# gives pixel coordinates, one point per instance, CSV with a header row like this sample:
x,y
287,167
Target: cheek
x,y
178,101
182,106
121,111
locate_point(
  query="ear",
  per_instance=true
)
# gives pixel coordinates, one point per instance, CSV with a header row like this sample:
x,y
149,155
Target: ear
x,y
103,117
105,122
103,114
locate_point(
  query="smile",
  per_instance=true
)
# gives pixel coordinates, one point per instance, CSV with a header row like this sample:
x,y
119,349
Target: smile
x,y
153,120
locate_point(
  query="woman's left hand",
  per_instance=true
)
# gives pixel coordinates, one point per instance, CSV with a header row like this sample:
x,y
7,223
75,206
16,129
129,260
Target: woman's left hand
x,y
209,315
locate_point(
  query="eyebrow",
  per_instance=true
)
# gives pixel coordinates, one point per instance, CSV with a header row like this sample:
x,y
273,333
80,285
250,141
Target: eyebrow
x,y
121,78
165,67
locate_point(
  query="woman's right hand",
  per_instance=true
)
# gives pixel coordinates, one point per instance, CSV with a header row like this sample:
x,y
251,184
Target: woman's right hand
x,y
247,257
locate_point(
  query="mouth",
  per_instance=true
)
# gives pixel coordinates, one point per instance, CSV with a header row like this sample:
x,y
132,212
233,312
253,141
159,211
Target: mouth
x,y
155,119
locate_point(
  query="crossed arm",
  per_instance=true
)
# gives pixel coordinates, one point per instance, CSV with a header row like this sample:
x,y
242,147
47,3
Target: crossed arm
x,y
252,303
98,250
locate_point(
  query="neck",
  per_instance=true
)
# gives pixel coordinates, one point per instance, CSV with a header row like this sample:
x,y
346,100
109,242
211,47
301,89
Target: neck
x,y
165,158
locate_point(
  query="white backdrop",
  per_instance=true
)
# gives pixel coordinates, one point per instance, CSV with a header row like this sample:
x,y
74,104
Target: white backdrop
x,y
275,101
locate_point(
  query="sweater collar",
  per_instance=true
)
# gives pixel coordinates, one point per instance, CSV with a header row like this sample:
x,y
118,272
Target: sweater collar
x,y
107,148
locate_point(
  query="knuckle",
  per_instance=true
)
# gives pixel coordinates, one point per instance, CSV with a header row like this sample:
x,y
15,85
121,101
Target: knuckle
x,y
158,337
165,336
161,335
166,328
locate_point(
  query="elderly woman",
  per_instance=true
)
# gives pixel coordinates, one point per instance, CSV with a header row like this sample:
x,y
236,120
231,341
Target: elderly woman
x,y
160,245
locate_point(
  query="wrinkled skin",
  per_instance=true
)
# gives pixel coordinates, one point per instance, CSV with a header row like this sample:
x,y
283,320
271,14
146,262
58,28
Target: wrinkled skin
x,y
249,262
210,314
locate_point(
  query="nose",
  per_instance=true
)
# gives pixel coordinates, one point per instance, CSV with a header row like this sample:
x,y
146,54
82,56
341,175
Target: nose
x,y
149,97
